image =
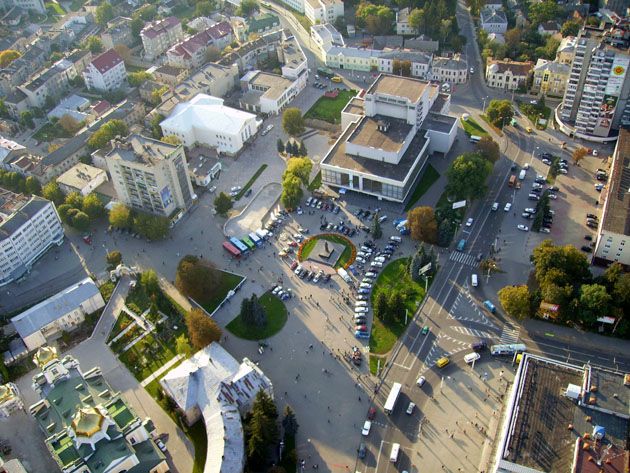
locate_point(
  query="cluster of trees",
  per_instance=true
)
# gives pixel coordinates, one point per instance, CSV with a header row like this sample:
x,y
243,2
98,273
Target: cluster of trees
x,y
390,304
252,312
79,211
437,20
15,182
222,204
294,177
247,7
423,224
500,112
563,277
202,330
261,431
153,227
421,259
156,130
113,258
138,78
7,56
376,19
198,279
291,147
534,110
293,121
467,176
107,132
93,44
104,13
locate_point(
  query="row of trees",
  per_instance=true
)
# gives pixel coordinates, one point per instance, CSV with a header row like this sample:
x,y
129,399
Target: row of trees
x,y
16,182
294,177
291,147
563,277
79,211
153,227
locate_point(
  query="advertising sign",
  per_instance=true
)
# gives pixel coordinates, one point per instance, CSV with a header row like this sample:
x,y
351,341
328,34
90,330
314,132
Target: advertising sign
x,y
167,197
617,76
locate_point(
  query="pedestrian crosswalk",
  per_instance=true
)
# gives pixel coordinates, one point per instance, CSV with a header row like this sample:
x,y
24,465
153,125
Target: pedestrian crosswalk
x,y
473,332
464,258
509,334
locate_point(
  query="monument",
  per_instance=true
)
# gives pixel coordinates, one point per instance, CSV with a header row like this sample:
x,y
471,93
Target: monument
x,y
326,252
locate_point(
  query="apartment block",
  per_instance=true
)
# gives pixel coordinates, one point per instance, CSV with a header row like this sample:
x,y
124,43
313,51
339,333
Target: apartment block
x,y
118,32
191,52
34,5
550,78
323,11
158,36
105,73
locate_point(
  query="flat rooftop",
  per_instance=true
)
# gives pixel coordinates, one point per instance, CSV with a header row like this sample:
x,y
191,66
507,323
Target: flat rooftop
x,y
616,217
407,87
439,123
274,84
369,135
355,106
337,157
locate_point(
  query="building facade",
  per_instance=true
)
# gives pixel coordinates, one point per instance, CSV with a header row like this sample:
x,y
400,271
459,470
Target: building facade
x,y
63,312
550,78
34,5
191,52
105,73
323,11
267,93
158,36
493,20
29,227
81,178
507,74
118,32
150,175
596,100
402,23
452,70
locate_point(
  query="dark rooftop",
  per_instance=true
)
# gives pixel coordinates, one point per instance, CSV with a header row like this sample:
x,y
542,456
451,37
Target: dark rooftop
x,y
369,133
439,123
616,216
22,215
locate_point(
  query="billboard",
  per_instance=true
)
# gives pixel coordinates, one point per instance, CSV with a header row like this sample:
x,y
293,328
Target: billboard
x,y
166,196
617,75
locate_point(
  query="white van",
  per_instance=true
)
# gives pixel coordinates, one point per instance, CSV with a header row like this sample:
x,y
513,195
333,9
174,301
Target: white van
x,y
393,456
474,280
397,239
474,356
521,175
360,304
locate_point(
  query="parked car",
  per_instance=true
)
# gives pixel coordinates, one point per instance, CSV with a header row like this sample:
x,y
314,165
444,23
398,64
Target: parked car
x,y
507,207
523,228
587,249
469,222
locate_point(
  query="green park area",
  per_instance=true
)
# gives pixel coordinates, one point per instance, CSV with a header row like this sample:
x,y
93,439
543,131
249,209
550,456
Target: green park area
x,y
471,127
347,256
276,317
429,176
329,109
50,132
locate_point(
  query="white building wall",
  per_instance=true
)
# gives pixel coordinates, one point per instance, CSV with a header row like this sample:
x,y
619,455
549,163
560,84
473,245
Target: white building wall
x,y
111,80
613,247
34,341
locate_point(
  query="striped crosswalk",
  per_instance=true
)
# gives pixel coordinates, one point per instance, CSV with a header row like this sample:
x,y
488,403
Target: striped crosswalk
x,y
473,332
464,258
509,334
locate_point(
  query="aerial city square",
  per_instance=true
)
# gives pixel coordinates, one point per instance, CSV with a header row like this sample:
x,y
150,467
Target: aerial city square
x,y
295,236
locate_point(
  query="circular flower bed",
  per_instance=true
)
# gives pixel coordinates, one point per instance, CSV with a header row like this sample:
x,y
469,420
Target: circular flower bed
x,y
345,260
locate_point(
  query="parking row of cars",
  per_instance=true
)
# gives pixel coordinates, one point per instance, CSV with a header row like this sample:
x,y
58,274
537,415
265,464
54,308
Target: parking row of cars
x,y
320,204
342,227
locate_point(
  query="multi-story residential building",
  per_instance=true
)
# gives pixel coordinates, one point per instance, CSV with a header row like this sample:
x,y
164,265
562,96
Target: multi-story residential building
x,y
51,82
13,75
150,175
28,228
453,70
268,93
81,178
10,402
118,32
9,151
293,60
596,100
613,233
34,5
494,4
395,62
325,37
507,74
566,50
323,11
80,58
387,138
158,36
63,312
354,59
87,426
170,75
550,78
105,73
493,20
402,23
263,23
205,120
214,387
191,52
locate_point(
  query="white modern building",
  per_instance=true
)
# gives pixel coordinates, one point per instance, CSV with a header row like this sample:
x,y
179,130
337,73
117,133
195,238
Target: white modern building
x,y
81,178
493,20
150,175
205,120
105,73
387,138
268,93
10,401
158,36
27,5
63,312
391,62
323,11
214,386
28,228
613,233
507,74
325,37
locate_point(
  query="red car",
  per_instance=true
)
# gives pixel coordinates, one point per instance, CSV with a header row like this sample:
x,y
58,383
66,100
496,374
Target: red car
x,y
87,239
294,265
371,413
293,244
361,328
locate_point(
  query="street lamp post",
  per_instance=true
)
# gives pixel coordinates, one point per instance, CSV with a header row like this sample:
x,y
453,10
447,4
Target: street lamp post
x,y
484,105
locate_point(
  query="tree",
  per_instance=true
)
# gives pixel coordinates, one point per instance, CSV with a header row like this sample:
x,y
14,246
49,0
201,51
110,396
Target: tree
x,y
81,221
594,302
377,19
467,176
32,185
540,12
259,316
204,8
64,210
515,300
292,121
302,150
396,304
500,112
380,305
93,206
416,264
202,330
153,227
182,346
7,56
74,199
120,216
612,275
113,258
104,13
171,139
289,422
247,315
51,191
69,124
377,231
123,51
107,132
417,20
150,281
93,44
280,145
138,78
262,429
621,291
213,54
136,25
489,149
247,7
579,154
26,119
198,279
422,224
156,130
292,191
222,203
156,94
513,38
300,168
570,263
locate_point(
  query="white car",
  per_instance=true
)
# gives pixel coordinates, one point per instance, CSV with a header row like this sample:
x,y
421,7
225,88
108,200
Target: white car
x,y
360,304
495,206
410,408
545,230
365,285
362,297
370,274
599,187
380,259
552,196
361,310
530,210
469,222
366,428
376,264
523,228
358,259
299,210
235,189
267,130
472,70
421,381
563,171
507,207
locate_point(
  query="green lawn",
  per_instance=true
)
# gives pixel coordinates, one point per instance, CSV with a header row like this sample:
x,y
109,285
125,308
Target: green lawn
x,y
374,363
345,256
107,289
316,183
471,127
534,112
146,356
55,8
328,109
276,318
429,176
228,282
250,182
76,5
122,322
49,132
394,276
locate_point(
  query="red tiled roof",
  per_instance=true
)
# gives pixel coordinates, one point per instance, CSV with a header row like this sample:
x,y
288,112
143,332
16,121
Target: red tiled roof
x,y
219,30
102,107
106,61
158,27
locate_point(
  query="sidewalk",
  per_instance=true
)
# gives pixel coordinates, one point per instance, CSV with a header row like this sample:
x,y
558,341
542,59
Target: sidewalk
x,y
164,368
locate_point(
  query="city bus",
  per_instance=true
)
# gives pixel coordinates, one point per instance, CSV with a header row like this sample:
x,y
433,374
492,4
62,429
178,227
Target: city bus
x,y
231,249
239,245
510,349
256,239
392,398
325,72
248,242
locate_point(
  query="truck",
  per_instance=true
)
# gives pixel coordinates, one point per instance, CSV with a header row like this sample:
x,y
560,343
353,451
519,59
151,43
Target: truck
x,y
512,180
392,398
461,245
325,72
